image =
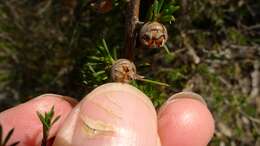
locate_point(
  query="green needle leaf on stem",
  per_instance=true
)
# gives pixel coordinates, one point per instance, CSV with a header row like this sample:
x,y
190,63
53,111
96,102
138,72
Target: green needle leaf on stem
x,y
48,120
160,5
154,82
155,8
162,11
107,51
96,69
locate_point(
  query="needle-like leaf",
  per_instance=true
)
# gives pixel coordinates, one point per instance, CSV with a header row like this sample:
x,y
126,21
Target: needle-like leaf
x,y
47,119
15,143
1,134
9,134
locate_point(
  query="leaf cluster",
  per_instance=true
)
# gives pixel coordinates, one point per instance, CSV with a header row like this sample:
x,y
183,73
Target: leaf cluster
x,y
162,11
48,120
96,70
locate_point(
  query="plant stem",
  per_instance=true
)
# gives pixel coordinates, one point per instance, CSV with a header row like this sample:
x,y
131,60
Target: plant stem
x,y
154,82
130,35
45,136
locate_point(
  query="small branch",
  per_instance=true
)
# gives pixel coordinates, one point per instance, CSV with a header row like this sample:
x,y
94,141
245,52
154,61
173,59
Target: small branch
x,y
15,16
184,7
191,50
257,26
130,34
255,80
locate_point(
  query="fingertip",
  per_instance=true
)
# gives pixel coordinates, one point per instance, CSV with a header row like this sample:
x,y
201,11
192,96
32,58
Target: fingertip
x,y
112,114
28,128
185,120
49,97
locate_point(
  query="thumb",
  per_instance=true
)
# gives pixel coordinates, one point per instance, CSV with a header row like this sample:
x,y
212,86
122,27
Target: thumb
x,y
113,114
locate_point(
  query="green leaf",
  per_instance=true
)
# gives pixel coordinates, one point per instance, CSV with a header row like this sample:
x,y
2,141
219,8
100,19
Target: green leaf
x,y
149,16
107,51
55,120
170,9
99,73
1,134
47,122
40,116
51,113
8,136
162,11
166,11
160,5
43,119
155,8
155,82
114,53
91,68
167,18
166,49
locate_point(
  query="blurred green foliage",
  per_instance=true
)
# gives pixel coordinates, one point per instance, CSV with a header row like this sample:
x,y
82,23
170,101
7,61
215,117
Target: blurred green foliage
x,y
96,70
162,11
45,47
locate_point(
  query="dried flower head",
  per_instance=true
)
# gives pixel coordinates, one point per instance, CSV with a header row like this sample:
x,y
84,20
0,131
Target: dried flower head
x,y
123,71
153,35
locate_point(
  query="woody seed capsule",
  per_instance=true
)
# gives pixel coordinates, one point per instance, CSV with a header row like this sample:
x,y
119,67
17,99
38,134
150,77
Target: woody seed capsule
x,y
123,71
153,35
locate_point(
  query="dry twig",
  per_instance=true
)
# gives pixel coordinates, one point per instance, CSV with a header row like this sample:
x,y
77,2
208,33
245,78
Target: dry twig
x,y
191,50
255,80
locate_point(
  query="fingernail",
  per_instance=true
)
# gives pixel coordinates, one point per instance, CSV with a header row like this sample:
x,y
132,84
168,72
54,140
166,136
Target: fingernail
x,y
187,94
72,101
116,114
182,95
66,132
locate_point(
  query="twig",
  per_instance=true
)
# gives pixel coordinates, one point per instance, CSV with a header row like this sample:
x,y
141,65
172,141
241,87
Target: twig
x,y
255,80
44,7
130,34
224,81
257,26
14,14
191,52
184,7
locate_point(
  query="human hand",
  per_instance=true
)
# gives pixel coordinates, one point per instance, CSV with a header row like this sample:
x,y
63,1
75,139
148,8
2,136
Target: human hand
x,y
114,114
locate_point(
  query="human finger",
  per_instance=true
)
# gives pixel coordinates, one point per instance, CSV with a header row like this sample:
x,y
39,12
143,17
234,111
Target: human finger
x,y
185,120
113,114
27,126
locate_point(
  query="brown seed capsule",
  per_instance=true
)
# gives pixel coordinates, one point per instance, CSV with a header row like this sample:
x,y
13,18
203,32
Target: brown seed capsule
x,y
153,35
123,71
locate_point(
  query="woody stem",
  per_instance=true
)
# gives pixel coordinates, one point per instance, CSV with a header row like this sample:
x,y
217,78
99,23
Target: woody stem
x,y
130,34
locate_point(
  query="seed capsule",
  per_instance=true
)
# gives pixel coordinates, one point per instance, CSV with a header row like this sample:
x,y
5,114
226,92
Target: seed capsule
x,y
123,71
153,35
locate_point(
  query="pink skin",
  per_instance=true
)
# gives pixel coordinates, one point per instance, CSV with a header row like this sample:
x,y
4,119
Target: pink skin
x,y
114,114
28,129
127,112
185,122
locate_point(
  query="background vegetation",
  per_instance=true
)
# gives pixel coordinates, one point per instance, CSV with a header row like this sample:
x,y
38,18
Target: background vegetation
x,y
215,51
